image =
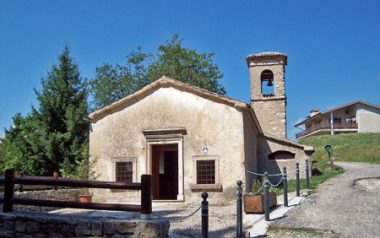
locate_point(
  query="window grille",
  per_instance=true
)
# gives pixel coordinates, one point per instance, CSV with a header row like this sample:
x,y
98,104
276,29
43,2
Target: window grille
x,y
124,172
205,172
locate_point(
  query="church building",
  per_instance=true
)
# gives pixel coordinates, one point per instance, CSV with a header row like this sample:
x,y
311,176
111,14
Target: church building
x,y
192,140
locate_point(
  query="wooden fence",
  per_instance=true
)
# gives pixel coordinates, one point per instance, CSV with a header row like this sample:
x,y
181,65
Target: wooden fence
x,y
9,181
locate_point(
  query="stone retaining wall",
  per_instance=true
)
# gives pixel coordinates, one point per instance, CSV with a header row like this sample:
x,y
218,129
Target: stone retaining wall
x,y
44,225
57,195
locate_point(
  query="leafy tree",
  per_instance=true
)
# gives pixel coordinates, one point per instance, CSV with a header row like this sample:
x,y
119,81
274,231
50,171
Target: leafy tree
x,y
20,148
55,135
172,59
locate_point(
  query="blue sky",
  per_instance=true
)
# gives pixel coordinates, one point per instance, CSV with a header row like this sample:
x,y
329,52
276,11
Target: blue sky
x,y
333,46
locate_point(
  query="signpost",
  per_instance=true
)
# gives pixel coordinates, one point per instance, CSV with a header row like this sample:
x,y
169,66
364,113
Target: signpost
x,y
328,149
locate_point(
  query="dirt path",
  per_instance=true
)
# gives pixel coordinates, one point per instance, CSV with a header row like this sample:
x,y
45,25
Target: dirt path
x,y
345,206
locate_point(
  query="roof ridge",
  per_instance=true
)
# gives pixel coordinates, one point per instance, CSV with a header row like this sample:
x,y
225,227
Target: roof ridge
x,y
165,81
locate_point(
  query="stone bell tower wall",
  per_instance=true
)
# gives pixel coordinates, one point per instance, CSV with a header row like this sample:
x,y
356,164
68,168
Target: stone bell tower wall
x,y
270,109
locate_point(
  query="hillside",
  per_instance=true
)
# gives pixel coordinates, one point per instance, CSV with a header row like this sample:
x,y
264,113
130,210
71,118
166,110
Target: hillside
x,y
358,147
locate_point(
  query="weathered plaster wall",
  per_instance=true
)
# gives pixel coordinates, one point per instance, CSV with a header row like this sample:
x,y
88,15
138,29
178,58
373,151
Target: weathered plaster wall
x,y
267,145
250,148
216,125
368,118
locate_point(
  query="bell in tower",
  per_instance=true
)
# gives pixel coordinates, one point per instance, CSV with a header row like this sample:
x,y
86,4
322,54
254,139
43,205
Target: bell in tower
x,y
268,99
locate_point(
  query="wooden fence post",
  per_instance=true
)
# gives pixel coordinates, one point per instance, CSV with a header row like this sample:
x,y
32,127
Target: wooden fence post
x,y
20,186
146,196
55,175
9,188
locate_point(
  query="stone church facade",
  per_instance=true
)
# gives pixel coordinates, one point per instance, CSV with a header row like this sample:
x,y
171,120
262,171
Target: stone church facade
x,y
191,140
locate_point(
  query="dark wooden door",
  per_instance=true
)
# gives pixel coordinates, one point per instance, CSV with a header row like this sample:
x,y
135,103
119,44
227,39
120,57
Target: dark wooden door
x,y
169,179
165,172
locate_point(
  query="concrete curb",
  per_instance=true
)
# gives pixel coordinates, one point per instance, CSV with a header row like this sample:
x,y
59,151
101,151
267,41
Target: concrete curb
x,y
256,224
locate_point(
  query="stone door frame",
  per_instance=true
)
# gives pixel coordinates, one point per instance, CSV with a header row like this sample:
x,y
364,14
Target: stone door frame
x,y
162,137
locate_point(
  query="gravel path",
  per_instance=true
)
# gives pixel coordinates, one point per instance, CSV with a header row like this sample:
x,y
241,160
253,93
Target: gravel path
x,y
185,221
346,206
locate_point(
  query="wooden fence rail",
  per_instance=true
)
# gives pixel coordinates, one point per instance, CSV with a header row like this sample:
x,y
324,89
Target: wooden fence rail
x,y
9,181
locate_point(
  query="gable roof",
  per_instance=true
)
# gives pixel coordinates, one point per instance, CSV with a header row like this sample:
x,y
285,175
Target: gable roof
x,y
337,108
165,82
306,148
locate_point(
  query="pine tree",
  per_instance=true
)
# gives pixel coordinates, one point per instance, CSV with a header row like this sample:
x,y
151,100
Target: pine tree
x,y
62,127
53,136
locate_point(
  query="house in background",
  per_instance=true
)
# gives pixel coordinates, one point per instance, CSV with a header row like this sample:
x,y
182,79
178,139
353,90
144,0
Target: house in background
x,y
355,117
191,140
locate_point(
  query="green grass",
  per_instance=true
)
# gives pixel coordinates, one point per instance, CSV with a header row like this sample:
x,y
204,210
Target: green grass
x,y
296,232
354,147
325,172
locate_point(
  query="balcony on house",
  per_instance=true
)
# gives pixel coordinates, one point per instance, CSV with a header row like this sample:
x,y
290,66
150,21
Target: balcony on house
x,y
355,117
325,128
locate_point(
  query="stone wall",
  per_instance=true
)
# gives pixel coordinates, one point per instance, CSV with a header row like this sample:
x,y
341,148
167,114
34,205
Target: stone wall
x,y
31,224
270,110
267,145
57,195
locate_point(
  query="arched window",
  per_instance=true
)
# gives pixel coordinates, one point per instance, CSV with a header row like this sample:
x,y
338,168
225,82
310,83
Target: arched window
x,y
281,154
267,83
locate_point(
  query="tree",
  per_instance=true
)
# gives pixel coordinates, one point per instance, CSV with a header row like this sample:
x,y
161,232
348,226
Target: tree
x,y
172,59
53,136
20,148
62,112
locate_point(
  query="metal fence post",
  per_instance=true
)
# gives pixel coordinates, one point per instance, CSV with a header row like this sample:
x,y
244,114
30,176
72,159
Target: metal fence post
x,y
285,187
307,176
298,179
204,212
239,206
9,188
146,196
266,196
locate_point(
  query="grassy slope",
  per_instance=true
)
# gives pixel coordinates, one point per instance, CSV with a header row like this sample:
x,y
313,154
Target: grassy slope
x,y
356,147
361,147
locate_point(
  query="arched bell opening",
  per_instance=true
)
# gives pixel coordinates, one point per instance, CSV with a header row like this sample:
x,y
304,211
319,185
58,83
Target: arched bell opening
x,y
267,83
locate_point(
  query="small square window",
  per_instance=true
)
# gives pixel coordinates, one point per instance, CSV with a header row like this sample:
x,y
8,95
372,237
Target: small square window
x,y
206,172
124,172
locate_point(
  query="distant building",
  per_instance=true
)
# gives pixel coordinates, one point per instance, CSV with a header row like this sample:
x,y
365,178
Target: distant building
x,y
354,117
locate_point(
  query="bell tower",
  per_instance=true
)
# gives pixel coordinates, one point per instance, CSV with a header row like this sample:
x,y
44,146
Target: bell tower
x,y
268,98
